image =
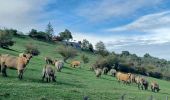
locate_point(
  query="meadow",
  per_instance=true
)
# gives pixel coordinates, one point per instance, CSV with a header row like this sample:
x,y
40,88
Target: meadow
x,y
72,83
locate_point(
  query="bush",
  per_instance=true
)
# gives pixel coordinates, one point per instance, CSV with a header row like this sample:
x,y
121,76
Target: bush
x,y
6,39
67,52
84,58
32,49
39,35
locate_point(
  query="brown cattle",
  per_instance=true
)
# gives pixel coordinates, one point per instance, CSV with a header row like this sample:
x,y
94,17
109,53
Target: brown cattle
x,y
75,63
113,72
155,87
98,72
142,83
19,63
132,78
48,60
48,73
125,77
59,65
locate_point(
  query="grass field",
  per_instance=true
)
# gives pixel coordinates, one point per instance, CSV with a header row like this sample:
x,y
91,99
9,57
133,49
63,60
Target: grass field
x,y
72,84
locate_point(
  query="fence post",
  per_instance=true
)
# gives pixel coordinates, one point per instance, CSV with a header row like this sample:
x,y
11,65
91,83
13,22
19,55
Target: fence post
x,y
123,97
166,97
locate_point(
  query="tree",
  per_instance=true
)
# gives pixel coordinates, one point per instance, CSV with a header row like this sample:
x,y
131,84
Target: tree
x,y
6,39
33,33
85,59
85,44
66,35
50,30
67,52
91,47
39,35
101,49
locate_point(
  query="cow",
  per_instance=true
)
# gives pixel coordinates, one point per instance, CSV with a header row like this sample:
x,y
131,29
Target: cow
x,y
48,60
13,62
105,70
132,78
98,72
59,65
142,83
155,87
48,73
125,77
113,72
75,63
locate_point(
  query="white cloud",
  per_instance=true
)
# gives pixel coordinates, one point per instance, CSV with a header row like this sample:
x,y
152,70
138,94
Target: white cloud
x,y
21,14
104,9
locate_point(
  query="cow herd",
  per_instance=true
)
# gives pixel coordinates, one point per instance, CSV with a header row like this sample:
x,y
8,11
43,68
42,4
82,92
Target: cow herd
x,y
129,78
48,72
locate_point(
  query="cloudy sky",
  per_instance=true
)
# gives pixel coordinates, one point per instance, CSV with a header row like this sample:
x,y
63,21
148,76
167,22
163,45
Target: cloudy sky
x,y
139,26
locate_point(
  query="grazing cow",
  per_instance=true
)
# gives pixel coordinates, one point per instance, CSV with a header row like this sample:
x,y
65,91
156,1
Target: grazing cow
x,y
132,78
98,72
113,72
142,83
105,70
19,63
48,60
125,77
155,87
75,63
48,73
59,65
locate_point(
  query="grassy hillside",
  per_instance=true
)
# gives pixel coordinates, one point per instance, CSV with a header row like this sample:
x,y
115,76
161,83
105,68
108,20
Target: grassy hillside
x,y
72,84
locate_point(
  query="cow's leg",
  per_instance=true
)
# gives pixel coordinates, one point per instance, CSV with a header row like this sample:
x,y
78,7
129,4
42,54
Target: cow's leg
x,y
43,76
4,70
53,78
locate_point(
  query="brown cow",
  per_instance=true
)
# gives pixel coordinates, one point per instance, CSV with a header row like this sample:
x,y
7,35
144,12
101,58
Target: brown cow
x,y
113,72
19,63
125,77
48,73
132,78
48,60
98,72
59,65
142,83
75,63
155,87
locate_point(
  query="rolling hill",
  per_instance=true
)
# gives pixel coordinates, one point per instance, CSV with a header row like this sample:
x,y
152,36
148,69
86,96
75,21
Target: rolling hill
x,y
72,83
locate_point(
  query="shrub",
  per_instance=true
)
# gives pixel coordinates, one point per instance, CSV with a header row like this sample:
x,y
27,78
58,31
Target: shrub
x,y
67,52
32,49
84,58
6,39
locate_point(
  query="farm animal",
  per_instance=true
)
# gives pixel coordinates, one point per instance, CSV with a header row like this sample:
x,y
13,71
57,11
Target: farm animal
x,y
132,78
13,62
105,70
113,72
125,77
48,60
59,65
98,72
155,87
142,83
48,73
75,63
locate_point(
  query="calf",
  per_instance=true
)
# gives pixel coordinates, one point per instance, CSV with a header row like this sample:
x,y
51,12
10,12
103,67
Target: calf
x,y
125,77
48,73
75,63
155,87
113,72
48,60
59,65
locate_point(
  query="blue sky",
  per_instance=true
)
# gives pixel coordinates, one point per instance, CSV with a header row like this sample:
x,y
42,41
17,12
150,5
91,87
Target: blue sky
x,y
139,26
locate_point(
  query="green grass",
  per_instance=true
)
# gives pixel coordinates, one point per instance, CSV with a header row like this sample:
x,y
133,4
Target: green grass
x,y
72,84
